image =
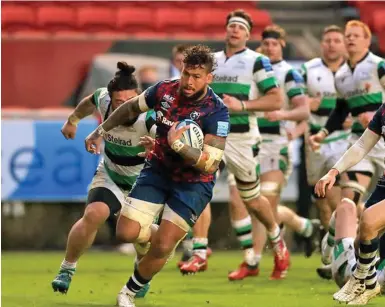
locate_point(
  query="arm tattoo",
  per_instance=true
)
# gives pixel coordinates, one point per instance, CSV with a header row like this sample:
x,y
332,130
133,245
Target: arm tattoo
x,y
126,112
84,108
198,158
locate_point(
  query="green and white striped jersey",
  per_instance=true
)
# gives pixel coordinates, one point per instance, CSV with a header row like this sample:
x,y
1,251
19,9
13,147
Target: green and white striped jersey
x,y
246,75
292,84
362,87
120,157
320,81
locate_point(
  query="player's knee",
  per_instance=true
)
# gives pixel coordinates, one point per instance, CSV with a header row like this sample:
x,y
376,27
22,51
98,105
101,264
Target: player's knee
x,y
127,231
354,189
270,188
248,190
96,213
366,223
162,247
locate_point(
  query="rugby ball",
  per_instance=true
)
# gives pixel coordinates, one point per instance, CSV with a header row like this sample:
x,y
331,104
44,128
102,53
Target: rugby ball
x,y
192,137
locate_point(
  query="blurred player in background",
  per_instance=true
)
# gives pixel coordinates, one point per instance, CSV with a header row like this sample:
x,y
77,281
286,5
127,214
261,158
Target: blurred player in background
x,y
147,76
360,83
362,284
247,84
319,77
177,57
175,173
117,171
274,153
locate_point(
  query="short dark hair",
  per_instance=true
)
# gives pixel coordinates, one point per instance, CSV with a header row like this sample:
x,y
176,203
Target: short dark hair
x,y
201,56
123,79
240,13
332,28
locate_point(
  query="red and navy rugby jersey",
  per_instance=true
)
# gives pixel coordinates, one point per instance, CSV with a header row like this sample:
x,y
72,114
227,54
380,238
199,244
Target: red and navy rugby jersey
x,y
209,113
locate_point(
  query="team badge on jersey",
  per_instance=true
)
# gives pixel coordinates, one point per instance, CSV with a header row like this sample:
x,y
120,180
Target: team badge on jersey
x,y
194,115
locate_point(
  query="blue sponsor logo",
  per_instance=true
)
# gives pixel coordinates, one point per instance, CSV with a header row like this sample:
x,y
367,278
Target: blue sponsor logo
x,y
297,76
223,129
266,64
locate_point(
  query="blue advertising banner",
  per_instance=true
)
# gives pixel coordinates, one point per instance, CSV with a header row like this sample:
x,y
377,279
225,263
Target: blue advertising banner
x,y
39,164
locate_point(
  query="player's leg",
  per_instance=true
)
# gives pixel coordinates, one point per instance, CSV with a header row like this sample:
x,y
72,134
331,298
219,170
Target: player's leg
x,y
363,285
185,203
239,158
308,229
104,199
343,258
200,242
242,226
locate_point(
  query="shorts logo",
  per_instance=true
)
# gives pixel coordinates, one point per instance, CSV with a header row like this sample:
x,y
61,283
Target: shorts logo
x,y
222,129
194,115
193,218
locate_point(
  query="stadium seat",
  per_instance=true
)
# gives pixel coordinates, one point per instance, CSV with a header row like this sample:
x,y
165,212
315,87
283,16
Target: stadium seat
x,y
379,21
133,19
173,20
210,20
261,18
55,18
17,17
96,18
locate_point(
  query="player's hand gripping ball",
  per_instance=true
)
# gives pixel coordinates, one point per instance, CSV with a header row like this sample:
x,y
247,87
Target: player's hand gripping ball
x,y
191,133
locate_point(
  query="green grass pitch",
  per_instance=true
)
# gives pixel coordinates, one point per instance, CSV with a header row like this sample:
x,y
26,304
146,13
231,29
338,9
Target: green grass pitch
x,y
26,281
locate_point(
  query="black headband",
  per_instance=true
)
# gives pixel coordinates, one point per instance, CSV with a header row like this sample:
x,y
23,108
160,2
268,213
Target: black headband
x,y
271,34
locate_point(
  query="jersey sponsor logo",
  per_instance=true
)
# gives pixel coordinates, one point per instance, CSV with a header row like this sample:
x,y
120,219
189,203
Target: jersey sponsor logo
x,y
357,92
165,105
167,121
194,115
168,98
297,77
222,128
364,75
117,140
225,79
159,116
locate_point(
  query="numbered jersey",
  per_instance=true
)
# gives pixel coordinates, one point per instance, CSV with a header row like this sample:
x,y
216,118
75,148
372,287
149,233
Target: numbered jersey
x,y
120,157
320,82
362,87
292,84
245,75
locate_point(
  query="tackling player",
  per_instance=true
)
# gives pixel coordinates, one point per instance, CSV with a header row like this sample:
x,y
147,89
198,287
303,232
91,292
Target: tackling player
x,y
362,285
175,174
115,174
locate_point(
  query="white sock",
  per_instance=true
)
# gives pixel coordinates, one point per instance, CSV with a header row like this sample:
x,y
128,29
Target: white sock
x,y
306,227
66,265
200,247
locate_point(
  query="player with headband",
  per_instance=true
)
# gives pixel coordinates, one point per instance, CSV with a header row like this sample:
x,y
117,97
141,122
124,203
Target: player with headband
x,y
247,83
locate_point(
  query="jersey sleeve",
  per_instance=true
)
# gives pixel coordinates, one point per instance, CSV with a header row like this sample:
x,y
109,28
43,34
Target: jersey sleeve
x,y
218,123
381,73
150,95
294,84
151,123
375,124
303,72
95,97
263,75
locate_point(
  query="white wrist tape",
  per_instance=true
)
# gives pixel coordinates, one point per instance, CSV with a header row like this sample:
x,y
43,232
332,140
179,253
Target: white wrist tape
x,y
177,146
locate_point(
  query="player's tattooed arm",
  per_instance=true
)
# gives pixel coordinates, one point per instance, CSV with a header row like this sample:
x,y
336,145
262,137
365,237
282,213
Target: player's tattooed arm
x,y
208,159
128,111
85,108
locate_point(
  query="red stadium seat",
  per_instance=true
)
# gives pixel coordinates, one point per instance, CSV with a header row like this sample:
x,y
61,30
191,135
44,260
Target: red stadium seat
x,y
260,18
173,20
17,17
56,17
379,21
134,19
210,20
96,18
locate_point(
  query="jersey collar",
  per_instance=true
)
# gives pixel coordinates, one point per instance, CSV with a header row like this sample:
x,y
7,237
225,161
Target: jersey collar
x,y
363,58
238,52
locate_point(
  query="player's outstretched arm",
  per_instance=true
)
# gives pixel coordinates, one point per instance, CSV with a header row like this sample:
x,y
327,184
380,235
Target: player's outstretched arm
x,y
85,108
129,110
